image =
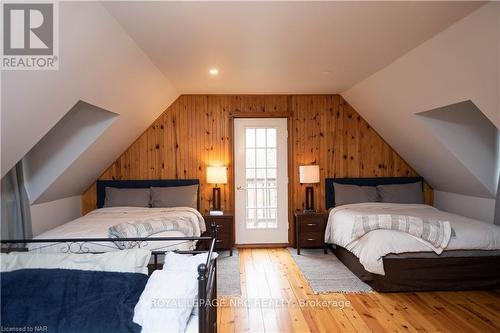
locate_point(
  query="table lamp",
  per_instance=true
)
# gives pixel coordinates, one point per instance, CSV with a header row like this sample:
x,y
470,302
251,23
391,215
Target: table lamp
x,y
216,175
309,174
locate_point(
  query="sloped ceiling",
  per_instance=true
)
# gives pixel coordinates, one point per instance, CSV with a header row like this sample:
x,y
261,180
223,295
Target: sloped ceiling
x,y
459,64
466,132
280,47
134,58
60,151
100,64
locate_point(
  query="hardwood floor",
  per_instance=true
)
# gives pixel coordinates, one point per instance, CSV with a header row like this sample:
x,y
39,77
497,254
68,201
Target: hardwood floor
x,y
272,275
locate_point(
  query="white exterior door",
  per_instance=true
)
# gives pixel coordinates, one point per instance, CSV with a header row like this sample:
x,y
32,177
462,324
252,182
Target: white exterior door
x,y
261,180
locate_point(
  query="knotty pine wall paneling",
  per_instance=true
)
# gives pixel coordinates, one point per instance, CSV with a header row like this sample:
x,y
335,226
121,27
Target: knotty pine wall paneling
x,y
196,131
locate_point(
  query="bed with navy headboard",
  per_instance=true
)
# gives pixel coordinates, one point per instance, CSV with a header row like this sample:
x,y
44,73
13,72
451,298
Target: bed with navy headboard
x,y
463,269
100,293
182,220
330,192
143,183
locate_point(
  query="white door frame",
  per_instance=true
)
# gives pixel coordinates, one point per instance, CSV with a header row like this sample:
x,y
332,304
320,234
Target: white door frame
x,y
245,235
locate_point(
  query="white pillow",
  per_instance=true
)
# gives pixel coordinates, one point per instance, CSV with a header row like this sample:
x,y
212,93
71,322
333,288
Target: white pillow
x,y
124,261
185,262
167,301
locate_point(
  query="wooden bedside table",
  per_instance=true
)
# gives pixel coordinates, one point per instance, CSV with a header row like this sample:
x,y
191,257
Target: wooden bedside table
x,y
310,230
225,230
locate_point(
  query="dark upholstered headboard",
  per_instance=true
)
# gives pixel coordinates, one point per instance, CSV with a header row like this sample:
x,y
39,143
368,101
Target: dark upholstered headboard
x,y
330,193
102,184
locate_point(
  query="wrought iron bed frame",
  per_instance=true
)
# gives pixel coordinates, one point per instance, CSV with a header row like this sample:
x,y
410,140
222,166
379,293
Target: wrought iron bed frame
x,y
207,272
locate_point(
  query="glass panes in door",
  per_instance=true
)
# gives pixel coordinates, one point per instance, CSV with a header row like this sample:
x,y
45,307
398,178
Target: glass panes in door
x,y
261,177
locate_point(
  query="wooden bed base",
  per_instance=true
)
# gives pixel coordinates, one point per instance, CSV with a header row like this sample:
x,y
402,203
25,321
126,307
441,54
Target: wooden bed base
x,y
417,274
428,274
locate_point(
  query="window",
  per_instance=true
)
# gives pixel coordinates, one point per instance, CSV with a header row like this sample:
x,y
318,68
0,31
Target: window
x,y
261,178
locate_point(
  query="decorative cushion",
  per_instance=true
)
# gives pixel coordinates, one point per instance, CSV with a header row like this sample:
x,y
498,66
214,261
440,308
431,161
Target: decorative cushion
x,y
175,196
350,194
127,197
401,193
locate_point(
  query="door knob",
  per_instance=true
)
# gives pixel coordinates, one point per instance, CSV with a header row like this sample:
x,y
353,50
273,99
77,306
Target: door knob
x,y
240,188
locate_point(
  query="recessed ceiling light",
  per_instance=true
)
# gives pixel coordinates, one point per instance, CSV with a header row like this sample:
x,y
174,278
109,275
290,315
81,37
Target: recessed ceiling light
x,y
213,71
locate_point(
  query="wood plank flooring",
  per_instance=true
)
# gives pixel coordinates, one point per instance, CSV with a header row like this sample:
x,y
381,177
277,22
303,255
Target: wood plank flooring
x,y
277,298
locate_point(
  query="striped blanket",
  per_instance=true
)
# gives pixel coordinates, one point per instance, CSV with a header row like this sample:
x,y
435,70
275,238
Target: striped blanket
x,y
434,232
181,221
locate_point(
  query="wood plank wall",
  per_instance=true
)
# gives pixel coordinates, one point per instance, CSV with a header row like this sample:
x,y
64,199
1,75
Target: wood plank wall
x,y
196,131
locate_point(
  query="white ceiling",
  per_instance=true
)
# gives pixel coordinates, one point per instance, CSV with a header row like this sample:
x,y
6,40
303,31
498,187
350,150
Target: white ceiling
x,y
462,63
280,47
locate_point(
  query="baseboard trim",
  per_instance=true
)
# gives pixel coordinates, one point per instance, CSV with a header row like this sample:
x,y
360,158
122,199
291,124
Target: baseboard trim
x,y
261,245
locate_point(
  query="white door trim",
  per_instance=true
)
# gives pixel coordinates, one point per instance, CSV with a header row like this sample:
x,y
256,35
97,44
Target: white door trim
x,y
245,235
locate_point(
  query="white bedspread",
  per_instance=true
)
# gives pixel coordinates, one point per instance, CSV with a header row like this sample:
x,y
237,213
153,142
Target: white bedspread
x,y
96,223
371,248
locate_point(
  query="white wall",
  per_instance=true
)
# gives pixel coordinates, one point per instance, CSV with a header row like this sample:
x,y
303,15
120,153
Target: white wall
x,y
461,63
49,215
464,130
477,208
59,149
99,64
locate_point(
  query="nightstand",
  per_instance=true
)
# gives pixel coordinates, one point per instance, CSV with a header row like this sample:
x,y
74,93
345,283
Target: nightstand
x,y
225,230
310,230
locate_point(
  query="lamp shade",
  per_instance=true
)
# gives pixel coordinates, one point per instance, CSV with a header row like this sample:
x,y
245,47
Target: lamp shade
x,y
216,175
309,174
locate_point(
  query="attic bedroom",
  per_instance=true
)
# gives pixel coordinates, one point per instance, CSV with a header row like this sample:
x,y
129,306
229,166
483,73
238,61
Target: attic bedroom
x,y
256,166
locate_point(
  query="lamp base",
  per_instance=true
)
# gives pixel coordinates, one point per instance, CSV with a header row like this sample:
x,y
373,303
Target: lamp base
x,y
216,198
309,199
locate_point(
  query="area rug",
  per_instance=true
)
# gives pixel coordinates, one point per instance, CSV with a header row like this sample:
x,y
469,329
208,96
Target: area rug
x,y
326,274
228,274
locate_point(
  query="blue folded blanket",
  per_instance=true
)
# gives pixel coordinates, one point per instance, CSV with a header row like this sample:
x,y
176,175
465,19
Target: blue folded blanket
x,y
64,300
